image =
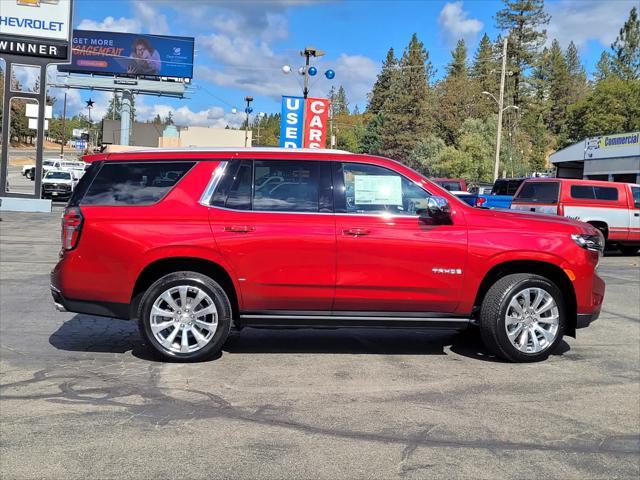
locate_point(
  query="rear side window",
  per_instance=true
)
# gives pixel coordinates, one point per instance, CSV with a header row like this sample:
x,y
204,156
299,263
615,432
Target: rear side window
x,y
450,186
539,192
134,183
286,186
589,192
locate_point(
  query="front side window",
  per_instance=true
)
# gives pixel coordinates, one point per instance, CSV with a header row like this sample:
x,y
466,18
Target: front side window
x,y
372,189
286,186
134,183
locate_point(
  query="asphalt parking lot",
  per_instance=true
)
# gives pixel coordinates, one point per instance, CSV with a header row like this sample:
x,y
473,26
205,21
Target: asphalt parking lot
x,y
81,398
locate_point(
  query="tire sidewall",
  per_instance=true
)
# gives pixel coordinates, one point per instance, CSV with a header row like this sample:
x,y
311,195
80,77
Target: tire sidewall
x,y
179,279
501,333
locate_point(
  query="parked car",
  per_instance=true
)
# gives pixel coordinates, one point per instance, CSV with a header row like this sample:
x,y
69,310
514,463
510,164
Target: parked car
x,y
338,240
77,168
612,208
500,197
58,184
453,185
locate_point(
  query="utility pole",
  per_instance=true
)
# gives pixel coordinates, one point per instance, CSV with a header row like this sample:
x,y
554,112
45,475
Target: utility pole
x,y
500,109
64,126
247,111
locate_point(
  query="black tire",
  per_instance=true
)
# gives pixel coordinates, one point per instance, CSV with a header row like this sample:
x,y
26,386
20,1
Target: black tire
x,y
217,295
494,309
629,249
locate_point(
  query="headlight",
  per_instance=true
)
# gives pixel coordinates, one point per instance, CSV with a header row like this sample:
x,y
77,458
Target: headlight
x,y
595,243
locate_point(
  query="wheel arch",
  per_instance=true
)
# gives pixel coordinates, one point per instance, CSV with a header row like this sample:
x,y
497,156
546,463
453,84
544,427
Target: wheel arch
x,y
164,266
545,269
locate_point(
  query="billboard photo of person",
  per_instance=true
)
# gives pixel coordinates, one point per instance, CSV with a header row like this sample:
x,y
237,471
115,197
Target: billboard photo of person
x,y
146,59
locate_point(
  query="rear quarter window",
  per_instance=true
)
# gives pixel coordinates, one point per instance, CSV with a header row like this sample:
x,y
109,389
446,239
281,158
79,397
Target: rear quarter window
x,y
589,192
134,183
539,192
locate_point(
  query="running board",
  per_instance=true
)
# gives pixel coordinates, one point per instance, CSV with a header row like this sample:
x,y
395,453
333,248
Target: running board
x,y
282,319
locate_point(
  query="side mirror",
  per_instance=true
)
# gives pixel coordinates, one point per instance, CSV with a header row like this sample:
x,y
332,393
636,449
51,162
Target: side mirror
x,y
438,210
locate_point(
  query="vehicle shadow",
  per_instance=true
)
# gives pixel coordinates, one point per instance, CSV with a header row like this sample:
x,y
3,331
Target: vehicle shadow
x,y
85,333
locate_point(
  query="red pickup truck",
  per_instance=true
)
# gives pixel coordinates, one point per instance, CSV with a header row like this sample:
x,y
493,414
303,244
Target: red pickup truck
x,y
194,243
613,208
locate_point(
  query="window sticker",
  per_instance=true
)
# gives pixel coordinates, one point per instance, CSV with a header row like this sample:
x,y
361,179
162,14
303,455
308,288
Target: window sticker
x,y
378,190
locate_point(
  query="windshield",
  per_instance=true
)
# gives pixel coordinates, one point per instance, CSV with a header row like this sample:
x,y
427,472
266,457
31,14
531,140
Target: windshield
x,y
58,176
49,163
539,192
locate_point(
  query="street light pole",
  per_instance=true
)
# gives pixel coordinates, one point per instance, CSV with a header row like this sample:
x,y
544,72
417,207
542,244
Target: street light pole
x,y
64,126
247,110
500,109
307,53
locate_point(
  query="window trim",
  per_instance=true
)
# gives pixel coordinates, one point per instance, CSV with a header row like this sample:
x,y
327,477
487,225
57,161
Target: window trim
x,y
193,162
216,176
339,190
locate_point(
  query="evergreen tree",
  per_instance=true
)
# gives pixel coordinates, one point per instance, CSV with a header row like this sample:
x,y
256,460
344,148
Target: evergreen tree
x,y
114,108
559,89
485,68
539,146
603,67
458,65
457,96
524,20
626,48
577,75
409,106
371,139
382,87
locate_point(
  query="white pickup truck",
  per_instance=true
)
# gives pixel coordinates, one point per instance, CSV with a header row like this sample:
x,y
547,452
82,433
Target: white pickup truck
x,y
49,164
58,184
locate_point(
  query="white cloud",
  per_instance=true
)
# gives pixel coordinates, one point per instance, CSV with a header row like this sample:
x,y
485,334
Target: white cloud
x,y
111,24
585,20
357,74
146,19
456,24
153,21
213,116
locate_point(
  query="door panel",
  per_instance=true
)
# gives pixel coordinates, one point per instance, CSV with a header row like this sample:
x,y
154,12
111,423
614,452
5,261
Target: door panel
x,y
389,258
278,236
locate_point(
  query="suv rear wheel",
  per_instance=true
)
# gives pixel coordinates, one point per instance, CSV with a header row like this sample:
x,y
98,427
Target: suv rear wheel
x,y
522,318
185,316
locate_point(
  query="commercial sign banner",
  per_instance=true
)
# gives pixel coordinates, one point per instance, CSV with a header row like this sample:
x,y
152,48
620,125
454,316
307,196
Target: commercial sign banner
x,y
44,19
115,53
622,140
315,122
291,122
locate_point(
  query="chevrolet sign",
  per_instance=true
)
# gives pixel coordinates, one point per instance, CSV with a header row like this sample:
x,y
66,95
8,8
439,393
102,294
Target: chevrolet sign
x,y
44,19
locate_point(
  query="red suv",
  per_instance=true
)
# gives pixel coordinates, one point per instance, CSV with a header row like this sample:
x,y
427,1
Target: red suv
x,y
196,243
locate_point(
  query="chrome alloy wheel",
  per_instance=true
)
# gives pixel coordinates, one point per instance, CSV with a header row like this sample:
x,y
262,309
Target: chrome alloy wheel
x,y
532,320
184,319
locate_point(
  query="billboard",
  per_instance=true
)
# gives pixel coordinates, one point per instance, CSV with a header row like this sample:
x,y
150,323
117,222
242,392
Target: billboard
x,y
114,53
291,122
45,19
315,122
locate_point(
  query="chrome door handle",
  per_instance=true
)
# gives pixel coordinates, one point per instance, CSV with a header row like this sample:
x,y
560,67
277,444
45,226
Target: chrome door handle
x,y
239,228
356,232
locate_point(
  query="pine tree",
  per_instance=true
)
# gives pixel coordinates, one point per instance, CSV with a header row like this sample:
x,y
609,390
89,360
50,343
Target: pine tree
x,y
458,66
485,66
559,89
524,20
603,67
114,108
626,48
382,87
539,146
409,106
577,74
341,104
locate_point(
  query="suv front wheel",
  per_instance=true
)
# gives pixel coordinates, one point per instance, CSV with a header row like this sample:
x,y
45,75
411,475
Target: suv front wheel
x,y
522,318
185,316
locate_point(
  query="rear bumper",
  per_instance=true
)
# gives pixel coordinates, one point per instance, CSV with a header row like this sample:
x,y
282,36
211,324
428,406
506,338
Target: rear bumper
x,y
102,309
585,319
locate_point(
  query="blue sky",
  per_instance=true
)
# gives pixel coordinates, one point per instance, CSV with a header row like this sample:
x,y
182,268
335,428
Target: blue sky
x,y
242,45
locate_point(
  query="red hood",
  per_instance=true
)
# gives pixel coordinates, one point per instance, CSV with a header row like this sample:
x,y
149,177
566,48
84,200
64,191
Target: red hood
x,y
536,220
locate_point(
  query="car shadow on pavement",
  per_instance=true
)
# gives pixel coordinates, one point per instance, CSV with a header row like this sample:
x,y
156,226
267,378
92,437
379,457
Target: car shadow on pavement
x,y
85,333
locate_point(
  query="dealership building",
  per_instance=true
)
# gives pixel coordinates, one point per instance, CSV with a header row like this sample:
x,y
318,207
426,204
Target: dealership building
x,y
615,158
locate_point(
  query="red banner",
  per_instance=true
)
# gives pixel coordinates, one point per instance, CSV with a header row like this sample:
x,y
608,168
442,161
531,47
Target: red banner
x,y
315,122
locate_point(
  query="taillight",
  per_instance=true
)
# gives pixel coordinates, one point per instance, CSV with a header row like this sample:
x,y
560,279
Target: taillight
x,y
71,227
480,201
